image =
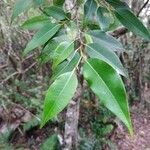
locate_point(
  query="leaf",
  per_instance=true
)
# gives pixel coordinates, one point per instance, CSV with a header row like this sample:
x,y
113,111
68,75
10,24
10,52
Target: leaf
x,y
38,2
50,143
103,53
20,7
108,86
66,66
35,22
59,95
106,40
62,52
90,9
58,2
42,36
55,12
128,19
48,52
104,18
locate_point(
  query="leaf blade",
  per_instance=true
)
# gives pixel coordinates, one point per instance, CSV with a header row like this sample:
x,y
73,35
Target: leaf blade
x,y
42,36
105,39
108,86
128,19
21,6
58,96
96,50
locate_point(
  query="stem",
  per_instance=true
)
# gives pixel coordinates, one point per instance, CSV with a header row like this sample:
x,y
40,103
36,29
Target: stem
x,y
72,114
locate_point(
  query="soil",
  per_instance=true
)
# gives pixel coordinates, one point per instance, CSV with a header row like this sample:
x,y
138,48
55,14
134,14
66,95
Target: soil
x,y
141,138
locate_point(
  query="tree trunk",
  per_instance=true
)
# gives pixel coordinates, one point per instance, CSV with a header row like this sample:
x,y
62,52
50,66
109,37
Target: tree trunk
x,y
72,115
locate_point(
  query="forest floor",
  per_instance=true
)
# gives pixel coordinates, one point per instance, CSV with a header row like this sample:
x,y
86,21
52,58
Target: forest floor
x,y
141,138
33,138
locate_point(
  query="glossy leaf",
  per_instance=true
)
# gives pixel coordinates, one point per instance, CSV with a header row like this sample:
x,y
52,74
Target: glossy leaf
x,y
106,40
62,52
108,86
96,50
66,66
35,22
20,7
42,36
90,9
55,12
128,19
59,95
104,18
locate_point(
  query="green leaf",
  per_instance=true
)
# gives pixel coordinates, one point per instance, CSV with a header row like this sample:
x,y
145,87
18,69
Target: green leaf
x,y
38,2
35,22
103,53
48,52
59,95
108,86
55,12
66,66
90,9
50,143
42,36
104,18
128,19
62,52
58,2
20,7
106,40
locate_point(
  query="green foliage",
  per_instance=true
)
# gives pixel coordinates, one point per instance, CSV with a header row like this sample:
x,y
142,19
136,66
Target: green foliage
x,y
36,23
105,40
21,6
105,83
42,36
95,50
90,9
59,35
104,18
128,19
58,95
55,12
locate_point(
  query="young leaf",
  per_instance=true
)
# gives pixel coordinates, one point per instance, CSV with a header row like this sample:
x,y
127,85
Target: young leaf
x,y
58,95
62,52
35,22
42,36
20,7
96,50
128,19
108,86
90,9
104,18
105,40
55,12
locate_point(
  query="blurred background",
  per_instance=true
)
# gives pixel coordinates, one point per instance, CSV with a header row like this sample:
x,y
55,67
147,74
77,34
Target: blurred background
x,y
24,81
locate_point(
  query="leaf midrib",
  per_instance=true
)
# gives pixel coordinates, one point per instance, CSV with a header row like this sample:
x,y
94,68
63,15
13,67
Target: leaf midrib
x,y
120,71
54,104
107,89
34,42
